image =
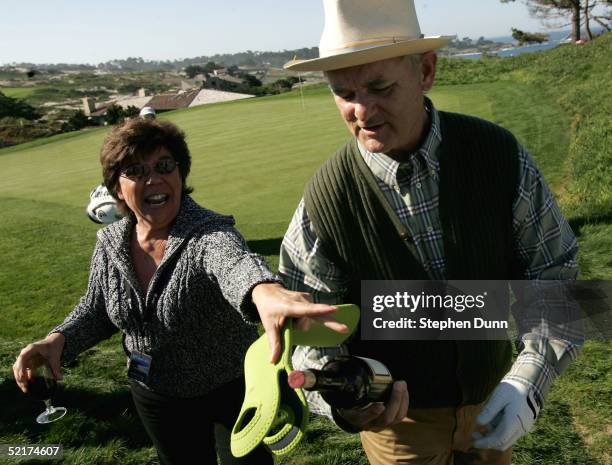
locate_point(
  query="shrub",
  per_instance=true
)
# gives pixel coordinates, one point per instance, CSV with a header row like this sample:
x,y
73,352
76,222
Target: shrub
x,y
16,108
114,114
77,121
18,130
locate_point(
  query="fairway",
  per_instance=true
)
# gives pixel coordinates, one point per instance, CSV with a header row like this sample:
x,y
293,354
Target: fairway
x,y
18,92
26,92
251,159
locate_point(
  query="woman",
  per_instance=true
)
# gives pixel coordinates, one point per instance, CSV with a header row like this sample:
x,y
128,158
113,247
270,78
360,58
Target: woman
x,y
179,282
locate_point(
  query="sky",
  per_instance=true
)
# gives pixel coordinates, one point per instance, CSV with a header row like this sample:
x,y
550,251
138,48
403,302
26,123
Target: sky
x,y
71,31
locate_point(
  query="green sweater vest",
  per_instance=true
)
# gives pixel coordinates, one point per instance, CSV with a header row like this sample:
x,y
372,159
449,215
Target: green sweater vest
x,y
362,235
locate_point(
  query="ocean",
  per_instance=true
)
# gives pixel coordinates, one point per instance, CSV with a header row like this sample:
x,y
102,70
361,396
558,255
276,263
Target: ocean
x,y
513,51
554,39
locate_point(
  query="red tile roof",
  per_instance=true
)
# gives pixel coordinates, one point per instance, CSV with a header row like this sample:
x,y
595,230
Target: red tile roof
x,y
101,111
173,101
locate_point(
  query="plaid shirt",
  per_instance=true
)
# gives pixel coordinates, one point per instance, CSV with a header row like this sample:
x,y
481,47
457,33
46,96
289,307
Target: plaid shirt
x,y
544,243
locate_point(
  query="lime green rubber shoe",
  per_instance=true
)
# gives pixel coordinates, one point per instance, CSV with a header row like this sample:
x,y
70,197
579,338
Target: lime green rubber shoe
x,y
273,412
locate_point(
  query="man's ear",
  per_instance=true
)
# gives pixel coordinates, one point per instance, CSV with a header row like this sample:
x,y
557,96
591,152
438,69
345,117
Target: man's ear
x,y
428,70
118,191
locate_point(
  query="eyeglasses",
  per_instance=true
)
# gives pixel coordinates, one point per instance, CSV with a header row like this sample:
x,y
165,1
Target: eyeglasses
x,y
141,171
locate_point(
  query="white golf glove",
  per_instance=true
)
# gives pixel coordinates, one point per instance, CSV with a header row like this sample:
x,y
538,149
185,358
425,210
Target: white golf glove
x,y
509,414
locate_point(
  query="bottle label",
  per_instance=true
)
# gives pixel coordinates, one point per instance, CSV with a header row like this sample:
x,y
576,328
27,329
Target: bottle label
x,y
377,368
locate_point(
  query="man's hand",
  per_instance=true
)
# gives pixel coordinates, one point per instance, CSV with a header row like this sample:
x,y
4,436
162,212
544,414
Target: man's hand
x,y
48,350
275,303
509,414
378,416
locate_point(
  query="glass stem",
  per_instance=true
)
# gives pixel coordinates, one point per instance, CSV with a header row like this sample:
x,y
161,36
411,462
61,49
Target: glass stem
x,y
49,406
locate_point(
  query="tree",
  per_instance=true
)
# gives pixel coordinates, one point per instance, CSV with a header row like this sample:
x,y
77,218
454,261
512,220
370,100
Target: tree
x,y
129,88
210,67
77,121
293,80
482,41
130,111
528,37
603,19
114,114
580,12
251,80
192,70
16,108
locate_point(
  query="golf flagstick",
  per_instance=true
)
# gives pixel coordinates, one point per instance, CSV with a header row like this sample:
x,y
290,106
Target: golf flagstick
x,y
301,91
301,86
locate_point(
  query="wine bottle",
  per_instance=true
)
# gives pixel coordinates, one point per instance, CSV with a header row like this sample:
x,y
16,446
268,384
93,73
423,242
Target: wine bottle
x,y
346,381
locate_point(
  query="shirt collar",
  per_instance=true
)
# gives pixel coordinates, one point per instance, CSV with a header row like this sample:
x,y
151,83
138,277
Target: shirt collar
x,y
386,169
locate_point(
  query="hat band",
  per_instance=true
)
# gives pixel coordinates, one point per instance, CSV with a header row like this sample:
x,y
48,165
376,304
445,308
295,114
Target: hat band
x,y
360,44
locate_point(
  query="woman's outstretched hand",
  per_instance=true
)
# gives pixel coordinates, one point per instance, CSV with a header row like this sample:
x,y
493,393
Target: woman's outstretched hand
x,y
275,303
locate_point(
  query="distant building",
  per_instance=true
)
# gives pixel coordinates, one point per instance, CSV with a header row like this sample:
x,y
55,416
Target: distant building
x,y
162,102
172,101
222,82
89,106
197,81
206,96
97,111
137,102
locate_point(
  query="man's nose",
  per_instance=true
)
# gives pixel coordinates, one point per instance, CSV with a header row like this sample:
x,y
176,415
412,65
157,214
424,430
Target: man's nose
x,y
364,109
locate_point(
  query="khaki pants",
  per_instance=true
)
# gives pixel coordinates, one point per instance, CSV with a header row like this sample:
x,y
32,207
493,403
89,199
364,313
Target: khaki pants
x,y
438,436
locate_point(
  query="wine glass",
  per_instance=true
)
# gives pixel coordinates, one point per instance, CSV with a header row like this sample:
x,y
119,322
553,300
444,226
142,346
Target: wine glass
x,y
41,386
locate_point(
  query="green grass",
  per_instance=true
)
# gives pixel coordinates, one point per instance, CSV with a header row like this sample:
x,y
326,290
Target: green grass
x,y
224,137
19,92
251,159
39,94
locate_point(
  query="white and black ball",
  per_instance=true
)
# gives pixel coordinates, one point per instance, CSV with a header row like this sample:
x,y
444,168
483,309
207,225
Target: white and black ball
x,y
102,208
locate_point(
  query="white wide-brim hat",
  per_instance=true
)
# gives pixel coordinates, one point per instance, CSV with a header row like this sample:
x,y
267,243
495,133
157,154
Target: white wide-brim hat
x,y
357,32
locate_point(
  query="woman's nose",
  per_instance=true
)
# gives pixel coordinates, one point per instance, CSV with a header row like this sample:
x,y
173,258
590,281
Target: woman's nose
x,y
153,177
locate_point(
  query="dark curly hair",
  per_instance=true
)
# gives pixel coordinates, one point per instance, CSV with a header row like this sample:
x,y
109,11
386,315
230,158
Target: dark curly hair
x,y
130,141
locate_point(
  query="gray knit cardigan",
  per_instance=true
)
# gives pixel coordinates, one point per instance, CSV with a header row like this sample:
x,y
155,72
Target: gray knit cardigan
x,y
196,320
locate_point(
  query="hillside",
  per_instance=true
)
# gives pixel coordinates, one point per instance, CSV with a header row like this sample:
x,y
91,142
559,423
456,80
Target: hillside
x,y
578,79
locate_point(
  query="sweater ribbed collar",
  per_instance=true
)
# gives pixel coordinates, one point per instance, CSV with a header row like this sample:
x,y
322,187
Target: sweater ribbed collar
x,y
116,237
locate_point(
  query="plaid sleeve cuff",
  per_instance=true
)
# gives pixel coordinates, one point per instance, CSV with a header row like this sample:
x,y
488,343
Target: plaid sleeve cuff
x,y
541,361
533,370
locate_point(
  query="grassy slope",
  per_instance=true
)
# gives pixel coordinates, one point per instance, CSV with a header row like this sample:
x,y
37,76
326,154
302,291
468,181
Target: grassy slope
x,y
18,92
251,159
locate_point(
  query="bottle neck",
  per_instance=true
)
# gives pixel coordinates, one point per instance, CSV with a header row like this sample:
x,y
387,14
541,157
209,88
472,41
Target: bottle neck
x,y
319,380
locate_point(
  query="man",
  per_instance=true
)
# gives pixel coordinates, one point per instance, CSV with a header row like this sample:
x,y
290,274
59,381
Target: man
x,y
422,194
148,113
